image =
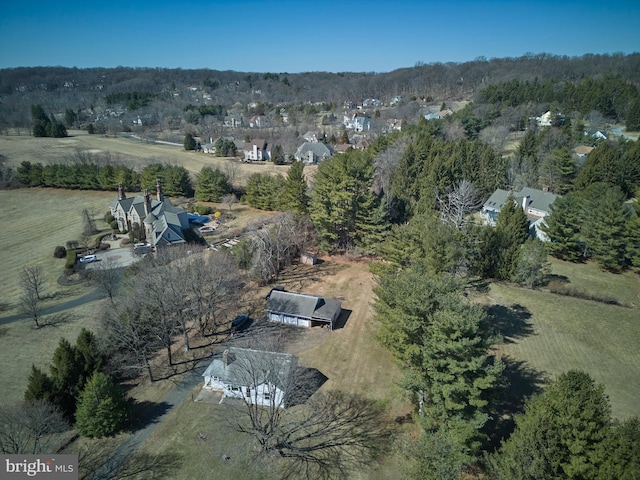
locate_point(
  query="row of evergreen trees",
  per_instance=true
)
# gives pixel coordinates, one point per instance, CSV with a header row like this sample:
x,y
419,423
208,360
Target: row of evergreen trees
x,y
86,175
77,386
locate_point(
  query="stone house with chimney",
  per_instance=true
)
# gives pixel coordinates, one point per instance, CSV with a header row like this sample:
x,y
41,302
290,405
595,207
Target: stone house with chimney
x,y
161,222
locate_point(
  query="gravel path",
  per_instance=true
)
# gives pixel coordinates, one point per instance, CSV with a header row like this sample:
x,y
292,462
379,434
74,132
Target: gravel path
x,y
110,467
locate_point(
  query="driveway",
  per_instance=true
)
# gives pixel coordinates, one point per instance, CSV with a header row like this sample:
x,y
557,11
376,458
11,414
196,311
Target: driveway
x,y
116,257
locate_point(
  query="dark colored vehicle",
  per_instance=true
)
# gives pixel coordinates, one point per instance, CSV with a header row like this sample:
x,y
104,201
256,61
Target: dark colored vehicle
x,y
240,321
278,288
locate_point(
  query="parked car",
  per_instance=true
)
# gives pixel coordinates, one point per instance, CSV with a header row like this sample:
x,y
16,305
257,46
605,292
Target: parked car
x,y
88,259
240,321
142,247
278,288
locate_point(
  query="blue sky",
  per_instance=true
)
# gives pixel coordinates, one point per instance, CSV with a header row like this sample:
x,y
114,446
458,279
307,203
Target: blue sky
x,y
298,36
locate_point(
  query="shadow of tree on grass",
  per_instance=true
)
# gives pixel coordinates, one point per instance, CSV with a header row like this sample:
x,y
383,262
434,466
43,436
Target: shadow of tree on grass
x,y
520,382
146,413
511,322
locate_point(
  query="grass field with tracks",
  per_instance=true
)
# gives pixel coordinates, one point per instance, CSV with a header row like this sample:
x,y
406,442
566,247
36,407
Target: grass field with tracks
x,y
558,333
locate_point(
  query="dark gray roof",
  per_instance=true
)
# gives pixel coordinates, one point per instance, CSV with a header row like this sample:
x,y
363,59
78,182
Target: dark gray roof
x,y
125,203
319,149
303,305
538,199
496,200
252,367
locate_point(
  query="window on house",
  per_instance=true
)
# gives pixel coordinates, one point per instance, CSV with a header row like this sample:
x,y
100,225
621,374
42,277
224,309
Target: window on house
x,y
267,395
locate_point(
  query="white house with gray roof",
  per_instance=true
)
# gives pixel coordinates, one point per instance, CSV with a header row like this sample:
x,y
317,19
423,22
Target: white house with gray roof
x,y
535,203
302,309
313,152
255,376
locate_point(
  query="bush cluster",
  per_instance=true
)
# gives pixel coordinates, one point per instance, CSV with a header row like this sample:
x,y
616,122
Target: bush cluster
x,y
561,288
60,252
202,209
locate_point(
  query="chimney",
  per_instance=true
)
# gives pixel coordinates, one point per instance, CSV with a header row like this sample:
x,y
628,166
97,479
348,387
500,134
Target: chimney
x,y
121,195
147,202
525,203
226,358
159,194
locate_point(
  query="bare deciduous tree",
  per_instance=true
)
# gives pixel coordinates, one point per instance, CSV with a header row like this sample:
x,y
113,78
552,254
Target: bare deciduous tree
x,y
274,245
128,337
30,305
31,428
232,171
230,199
325,437
461,201
88,223
32,279
179,292
385,164
106,275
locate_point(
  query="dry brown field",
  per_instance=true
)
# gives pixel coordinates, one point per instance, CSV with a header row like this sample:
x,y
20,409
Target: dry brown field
x,y
35,221
132,152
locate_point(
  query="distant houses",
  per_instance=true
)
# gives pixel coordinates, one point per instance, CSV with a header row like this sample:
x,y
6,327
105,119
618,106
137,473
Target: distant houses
x,y
257,150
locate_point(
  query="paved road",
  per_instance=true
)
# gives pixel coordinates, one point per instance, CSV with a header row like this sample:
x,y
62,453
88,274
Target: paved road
x,y
117,257
110,467
61,307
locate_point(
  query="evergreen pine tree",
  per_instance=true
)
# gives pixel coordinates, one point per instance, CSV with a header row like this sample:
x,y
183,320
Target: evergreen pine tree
x,y
211,185
605,228
39,386
102,408
633,116
512,230
189,142
560,433
294,194
563,227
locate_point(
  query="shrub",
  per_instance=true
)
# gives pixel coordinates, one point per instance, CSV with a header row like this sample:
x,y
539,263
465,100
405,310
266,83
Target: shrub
x,y
71,260
202,209
60,252
108,217
560,288
113,224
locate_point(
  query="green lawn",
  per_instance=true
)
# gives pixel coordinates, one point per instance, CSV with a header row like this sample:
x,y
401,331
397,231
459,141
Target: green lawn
x,y
570,333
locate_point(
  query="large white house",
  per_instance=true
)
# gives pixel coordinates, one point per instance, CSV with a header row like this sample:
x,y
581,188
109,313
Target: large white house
x,y
535,203
255,376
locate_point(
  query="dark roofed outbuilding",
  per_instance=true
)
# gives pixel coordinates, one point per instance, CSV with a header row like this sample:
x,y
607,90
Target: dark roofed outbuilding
x,y
302,309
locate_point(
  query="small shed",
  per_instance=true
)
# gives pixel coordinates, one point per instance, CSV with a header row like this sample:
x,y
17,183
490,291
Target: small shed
x,y
309,258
